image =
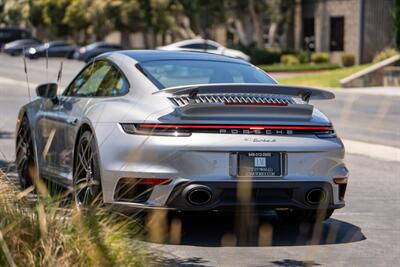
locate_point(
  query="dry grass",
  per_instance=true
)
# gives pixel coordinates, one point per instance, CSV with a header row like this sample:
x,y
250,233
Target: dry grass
x,y
46,233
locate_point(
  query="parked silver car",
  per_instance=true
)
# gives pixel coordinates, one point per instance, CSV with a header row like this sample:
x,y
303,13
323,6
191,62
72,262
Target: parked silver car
x,y
202,45
184,131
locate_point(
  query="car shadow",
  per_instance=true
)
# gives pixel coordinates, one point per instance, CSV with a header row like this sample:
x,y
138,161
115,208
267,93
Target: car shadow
x,y
265,230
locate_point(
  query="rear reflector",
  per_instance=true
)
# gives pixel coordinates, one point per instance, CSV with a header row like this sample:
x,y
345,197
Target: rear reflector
x,y
146,181
340,180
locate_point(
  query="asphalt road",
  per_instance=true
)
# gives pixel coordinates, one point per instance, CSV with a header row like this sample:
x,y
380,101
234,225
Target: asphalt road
x,y
364,233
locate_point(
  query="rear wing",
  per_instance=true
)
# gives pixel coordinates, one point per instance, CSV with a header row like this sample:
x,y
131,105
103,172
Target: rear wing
x,y
305,93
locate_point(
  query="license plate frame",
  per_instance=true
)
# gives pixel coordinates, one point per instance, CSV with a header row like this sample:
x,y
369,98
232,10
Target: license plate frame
x,y
260,164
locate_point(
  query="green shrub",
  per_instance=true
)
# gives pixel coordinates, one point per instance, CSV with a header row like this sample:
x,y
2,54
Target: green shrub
x,y
384,54
290,60
303,56
320,57
265,56
348,60
301,67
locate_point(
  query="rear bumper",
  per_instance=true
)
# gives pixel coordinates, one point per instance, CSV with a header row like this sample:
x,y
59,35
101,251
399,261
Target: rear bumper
x,y
210,159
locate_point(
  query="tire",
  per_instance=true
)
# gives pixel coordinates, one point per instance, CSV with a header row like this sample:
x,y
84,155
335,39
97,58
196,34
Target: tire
x,y
304,216
25,157
86,179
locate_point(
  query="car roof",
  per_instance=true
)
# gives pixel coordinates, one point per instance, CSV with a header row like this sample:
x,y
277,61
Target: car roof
x,y
97,44
194,41
21,41
155,55
57,42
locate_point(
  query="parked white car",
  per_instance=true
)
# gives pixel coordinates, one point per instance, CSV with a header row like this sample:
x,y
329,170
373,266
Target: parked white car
x,y
206,46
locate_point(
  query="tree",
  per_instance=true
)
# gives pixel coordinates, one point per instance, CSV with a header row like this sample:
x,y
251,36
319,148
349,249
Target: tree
x,y
163,18
203,15
53,14
396,18
126,17
13,12
77,19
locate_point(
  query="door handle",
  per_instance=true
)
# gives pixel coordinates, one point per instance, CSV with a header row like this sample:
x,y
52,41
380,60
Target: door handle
x,y
72,121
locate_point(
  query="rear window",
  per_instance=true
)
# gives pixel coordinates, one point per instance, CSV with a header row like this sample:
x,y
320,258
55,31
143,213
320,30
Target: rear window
x,y
171,73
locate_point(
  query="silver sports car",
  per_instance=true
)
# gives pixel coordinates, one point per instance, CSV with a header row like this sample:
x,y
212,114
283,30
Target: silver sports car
x,y
183,131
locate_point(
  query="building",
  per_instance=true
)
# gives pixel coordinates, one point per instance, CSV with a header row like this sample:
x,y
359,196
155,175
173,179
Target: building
x,y
359,27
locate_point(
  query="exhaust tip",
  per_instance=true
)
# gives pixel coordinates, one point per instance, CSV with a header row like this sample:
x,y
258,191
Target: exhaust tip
x,y
316,196
199,195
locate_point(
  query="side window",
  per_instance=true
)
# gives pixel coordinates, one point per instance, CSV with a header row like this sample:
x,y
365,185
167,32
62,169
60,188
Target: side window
x,y
194,46
113,84
98,79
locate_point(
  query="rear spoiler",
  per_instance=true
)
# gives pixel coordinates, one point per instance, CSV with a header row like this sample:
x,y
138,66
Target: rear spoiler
x,y
305,93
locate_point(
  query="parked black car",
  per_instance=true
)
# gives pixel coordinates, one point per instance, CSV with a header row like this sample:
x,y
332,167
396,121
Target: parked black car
x,y
9,34
86,53
54,49
16,48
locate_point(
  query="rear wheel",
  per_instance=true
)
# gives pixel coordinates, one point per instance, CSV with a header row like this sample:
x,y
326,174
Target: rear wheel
x,y
299,216
25,159
87,182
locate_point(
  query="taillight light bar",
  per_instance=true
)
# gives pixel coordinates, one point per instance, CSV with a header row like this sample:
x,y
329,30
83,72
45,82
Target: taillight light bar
x,y
323,131
246,127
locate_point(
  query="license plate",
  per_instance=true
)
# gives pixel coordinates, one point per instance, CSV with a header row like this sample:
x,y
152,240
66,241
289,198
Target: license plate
x,y
260,164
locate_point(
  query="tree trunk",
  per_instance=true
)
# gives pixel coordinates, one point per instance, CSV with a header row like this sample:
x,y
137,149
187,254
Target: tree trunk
x,y
271,34
146,39
258,32
239,29
125,40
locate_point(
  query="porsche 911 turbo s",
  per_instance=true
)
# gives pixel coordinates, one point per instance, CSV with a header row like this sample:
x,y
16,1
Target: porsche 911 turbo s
x,y
184,131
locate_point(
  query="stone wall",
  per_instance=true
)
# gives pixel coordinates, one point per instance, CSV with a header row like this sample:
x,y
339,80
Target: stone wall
x,y
337,8
378,27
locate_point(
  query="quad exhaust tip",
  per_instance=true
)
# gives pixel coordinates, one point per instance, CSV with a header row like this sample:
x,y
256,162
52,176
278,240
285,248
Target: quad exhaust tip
x,y
198,195
316,196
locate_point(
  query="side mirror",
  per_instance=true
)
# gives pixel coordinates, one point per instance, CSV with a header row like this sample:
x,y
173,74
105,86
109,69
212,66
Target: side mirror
x,y
47,90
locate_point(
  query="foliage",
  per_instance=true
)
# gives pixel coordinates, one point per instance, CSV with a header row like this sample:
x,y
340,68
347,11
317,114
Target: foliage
x,y
46,233
265,56
289,59
303,56
320,57
12,12
298,68
246,22
53,14
396,20
329,78
348,60
384,54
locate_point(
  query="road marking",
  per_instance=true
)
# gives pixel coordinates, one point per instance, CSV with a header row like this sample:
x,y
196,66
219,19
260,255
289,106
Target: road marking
x,y
380,152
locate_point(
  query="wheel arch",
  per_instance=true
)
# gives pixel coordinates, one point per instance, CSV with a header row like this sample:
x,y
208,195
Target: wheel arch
x,y
85,126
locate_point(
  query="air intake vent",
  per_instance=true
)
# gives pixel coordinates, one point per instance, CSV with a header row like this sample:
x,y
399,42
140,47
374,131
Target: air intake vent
x,y
238,99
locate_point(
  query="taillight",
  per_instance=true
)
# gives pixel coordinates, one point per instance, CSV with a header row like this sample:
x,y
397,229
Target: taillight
x,y
322,131
139,129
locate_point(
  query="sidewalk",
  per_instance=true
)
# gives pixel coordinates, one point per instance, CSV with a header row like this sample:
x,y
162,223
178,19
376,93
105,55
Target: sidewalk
x,y
386,91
